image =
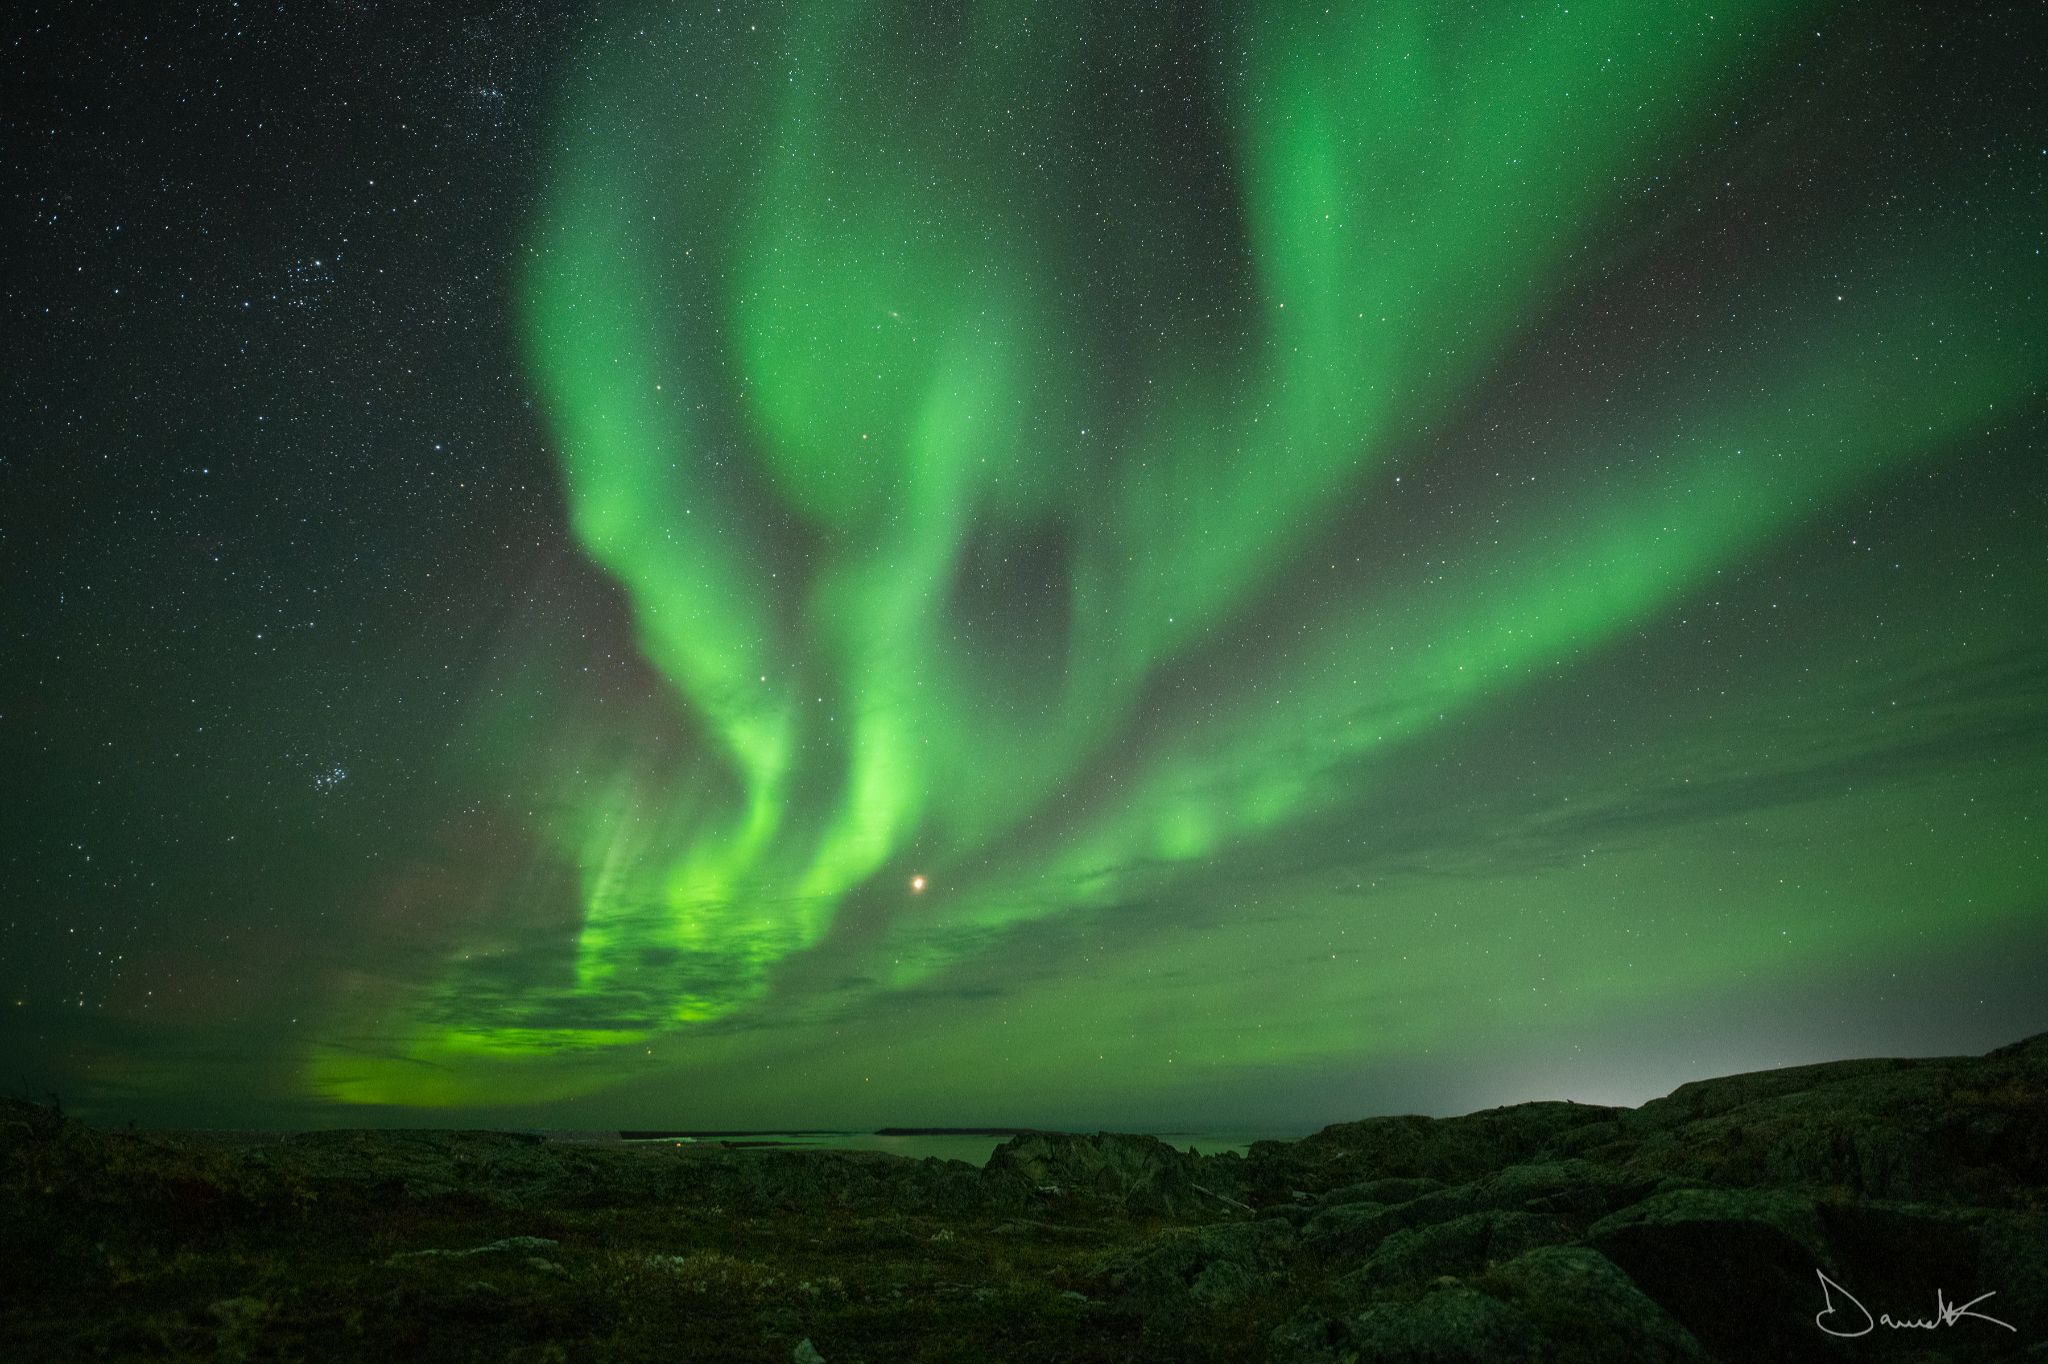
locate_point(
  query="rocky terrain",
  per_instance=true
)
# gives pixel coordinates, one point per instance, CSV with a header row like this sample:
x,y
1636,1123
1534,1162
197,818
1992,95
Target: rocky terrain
x,y
1697,1227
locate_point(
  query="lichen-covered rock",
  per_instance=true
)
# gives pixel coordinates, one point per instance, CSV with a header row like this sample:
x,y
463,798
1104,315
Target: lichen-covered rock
x,y
1296,1215
1452,1324
1353,1231
1706,1212
1452,1150
1462,1246
2012,1261
1734,1266
1573,1188
1589,1311
1692,1228
1396,1189
1740,1268
1137,1173
1699,1099
1957,1129
1180,1271
1309,1337
502,1246
1350,1230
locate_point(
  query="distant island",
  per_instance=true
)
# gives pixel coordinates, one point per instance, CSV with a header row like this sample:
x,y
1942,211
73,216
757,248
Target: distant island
x,y
714,1134
960,1131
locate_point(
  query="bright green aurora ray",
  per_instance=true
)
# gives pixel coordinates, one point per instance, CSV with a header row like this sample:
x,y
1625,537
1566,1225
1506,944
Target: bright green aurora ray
x,y
939,467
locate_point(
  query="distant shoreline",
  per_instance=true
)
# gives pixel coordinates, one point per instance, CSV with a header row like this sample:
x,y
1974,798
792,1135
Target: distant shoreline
x,y
758,1133
703,1134
962,1131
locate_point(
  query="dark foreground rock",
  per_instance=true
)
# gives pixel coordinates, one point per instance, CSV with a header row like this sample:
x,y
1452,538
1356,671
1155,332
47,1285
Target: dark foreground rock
x,y
1777,1216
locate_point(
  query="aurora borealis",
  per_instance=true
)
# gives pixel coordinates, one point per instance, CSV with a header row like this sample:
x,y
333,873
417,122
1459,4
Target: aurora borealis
x,y
1390,556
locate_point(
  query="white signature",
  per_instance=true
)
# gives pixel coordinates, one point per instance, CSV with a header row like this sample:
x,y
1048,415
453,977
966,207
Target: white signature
x,y
1945,1313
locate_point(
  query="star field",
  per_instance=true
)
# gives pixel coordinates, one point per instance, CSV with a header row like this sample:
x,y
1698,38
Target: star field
x,y
824,563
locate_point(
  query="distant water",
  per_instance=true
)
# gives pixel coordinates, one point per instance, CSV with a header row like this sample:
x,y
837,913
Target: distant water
x,y
974,1150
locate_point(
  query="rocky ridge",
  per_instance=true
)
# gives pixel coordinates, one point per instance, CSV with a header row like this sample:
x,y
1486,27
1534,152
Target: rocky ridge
x,y
1697,1227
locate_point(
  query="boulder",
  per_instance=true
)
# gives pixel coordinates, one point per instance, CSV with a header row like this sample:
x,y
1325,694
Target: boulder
x,y
1174,1274
1309,1337
502,1246
1352,1231
1462,1246
1134,1173
1735,1267
1452,1324
1396,1189
1590,1311
1574,1188
2012,1261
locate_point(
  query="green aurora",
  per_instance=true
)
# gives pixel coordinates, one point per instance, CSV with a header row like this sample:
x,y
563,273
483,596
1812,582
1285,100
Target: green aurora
x,y
1038,451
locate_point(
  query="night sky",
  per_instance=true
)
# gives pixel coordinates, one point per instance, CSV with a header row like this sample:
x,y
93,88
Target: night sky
x,y
1137,565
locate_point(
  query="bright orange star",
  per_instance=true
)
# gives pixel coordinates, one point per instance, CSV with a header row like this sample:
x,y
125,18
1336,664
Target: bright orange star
x,y
916,884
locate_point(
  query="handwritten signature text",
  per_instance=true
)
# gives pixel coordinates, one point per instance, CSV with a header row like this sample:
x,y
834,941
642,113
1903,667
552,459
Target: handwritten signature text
x,y
1852,1312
